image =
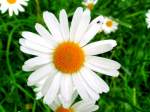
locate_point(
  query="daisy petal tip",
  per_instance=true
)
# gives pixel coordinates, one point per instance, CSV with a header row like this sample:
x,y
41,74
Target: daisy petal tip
x,y
96,107
37,97
23,33
114,43
119,66
23,67
29,83
107,90
45,101
116,75
79,8
63,11
20,41
36,25
21,49
36,89
45,13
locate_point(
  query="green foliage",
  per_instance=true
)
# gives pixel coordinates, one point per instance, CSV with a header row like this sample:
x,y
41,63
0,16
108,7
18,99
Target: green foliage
x,y
128,93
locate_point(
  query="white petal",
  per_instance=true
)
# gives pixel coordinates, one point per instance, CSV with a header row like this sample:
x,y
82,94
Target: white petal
x,y
91,94
83,25
48,82
42,31
3,8
56,104
69,103
98,20
88,108
16,10
99,47
94,81
85,106
103,62
45,34
66,89
36,39
21,9
81,90
108,72
10,11
37,61
74,96
40,74
53,25
77,105
64,25
91,32
39,95
90,80
95,1
29,69
31,51
24,3
53,90
34,46
75,22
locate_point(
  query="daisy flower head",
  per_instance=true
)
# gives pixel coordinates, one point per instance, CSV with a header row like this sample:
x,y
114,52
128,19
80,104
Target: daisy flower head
x,y
109,25
80,106
148,19
65,60
89,4
13,6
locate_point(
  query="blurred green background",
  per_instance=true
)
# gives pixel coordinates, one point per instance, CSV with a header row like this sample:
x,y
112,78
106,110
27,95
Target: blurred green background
x,y
130,92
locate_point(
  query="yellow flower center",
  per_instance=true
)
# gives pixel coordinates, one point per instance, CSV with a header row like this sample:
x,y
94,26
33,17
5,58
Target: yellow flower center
x,y
11,1
61,109
109,23
68,57
90,6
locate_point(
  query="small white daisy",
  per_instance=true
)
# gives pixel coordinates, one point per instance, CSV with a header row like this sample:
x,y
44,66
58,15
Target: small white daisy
x,y
13,6
89,3
148,19
65,60
109,25
80,106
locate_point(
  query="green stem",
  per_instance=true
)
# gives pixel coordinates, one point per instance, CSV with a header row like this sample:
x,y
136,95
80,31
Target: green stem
x,y
23,90
38,8
8,53
135,14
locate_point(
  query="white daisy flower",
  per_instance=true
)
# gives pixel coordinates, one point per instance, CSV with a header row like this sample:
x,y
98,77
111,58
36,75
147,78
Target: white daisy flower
x,y
89,3
148,19
13,6
80,106
65,59
109,25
